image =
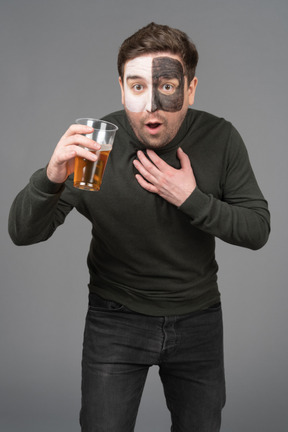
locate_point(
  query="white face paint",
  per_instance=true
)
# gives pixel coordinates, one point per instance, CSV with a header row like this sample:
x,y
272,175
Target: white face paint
x,y
138,84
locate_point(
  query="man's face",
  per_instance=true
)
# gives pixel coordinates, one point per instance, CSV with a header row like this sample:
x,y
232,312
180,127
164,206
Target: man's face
x,y
156,97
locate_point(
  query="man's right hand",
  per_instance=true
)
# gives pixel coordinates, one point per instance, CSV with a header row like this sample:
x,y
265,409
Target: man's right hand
x,y
71,144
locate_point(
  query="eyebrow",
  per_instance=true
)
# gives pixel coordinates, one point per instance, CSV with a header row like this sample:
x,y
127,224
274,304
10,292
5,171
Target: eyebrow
x,y
133,77
165,76
168,77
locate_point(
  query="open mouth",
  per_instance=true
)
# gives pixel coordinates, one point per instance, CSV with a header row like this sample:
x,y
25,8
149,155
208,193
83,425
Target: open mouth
x,y
153,125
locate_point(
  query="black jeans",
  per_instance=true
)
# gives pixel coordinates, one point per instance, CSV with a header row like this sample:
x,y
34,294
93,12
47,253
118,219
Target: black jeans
x,y
120,346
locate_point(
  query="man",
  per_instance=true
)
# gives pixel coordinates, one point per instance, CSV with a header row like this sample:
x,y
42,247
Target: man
x,y
176,179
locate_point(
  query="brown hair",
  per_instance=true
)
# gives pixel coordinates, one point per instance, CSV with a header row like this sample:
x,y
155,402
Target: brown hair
x,y
155,38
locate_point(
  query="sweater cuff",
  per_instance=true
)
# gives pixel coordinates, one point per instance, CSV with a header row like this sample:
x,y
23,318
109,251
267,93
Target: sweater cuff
x,y
42,183
195,204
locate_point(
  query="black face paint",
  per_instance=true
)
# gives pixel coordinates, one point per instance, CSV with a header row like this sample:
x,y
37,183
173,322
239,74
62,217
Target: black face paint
x,y
167,68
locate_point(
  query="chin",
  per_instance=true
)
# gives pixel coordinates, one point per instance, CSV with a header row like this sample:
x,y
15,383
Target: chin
x,y
153,143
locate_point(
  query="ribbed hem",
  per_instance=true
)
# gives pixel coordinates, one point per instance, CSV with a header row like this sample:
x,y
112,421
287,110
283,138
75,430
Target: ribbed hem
x,y
147,306
195,204
41,182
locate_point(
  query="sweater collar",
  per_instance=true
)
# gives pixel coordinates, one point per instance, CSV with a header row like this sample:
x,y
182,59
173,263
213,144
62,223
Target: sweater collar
x,y
172,145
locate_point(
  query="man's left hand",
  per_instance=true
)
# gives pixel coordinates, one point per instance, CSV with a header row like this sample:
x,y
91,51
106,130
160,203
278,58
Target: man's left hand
x,y
174,185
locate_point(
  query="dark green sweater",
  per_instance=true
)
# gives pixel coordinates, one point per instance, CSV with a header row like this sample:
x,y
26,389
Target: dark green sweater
x,y
146,253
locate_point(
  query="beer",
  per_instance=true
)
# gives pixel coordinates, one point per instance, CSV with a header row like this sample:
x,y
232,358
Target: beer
x,y
87,174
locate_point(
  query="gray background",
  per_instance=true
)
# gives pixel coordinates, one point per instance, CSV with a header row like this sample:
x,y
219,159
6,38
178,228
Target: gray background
x,y
58,62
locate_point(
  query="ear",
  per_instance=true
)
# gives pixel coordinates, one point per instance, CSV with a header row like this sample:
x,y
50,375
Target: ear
x,y
122,91
192,90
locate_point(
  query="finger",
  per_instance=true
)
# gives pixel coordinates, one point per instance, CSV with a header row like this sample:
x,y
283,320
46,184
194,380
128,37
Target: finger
x,y
148,186
82,141
69,153
64,156
87,154
147,164
144,172
160,163
77,128
184,159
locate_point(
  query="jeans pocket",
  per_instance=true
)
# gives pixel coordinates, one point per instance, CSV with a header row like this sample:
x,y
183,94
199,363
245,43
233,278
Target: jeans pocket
x,y
215,307
98,303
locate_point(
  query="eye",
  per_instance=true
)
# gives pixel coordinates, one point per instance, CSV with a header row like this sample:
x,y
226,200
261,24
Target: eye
x,y
167,88
137,88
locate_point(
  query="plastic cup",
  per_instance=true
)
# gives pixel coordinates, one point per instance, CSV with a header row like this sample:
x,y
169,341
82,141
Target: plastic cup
x,y
88,174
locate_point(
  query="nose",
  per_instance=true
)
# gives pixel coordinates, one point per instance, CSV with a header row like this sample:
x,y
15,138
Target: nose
x,y
151,101
155,103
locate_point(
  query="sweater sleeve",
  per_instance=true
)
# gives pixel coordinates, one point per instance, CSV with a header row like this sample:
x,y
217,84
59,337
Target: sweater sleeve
x,y
37,210
241,216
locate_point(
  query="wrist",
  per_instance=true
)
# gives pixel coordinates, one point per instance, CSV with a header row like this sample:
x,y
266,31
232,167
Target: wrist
x,y
54,176
185,195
